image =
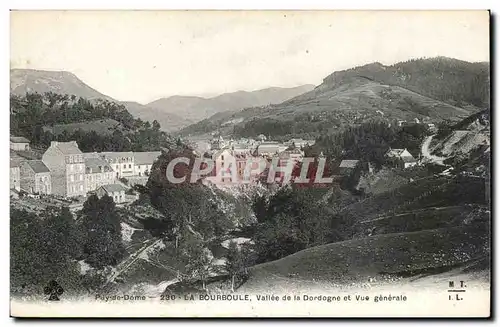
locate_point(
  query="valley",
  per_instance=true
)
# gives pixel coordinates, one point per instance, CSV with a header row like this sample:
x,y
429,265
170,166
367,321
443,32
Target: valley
x,y
407,145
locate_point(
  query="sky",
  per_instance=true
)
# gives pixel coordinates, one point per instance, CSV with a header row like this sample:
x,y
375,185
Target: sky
x,y
145,55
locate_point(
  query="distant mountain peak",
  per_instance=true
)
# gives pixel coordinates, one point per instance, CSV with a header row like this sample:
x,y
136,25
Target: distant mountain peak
x,y
197,108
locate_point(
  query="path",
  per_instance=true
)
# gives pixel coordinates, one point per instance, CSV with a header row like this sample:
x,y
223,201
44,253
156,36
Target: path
x,y
427,154
127,263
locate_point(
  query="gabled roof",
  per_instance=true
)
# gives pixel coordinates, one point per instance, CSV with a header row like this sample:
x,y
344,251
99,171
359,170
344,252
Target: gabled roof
x,y
146,158
19,139
395,152
408,159
94,163
348,163
38,166
66,147
111,188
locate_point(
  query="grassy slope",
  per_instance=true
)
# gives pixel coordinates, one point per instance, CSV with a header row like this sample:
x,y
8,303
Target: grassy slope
x,y
100,126
357,260
354,100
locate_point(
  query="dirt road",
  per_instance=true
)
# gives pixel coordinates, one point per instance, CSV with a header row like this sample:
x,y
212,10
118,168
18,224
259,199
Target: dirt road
x,y
427,154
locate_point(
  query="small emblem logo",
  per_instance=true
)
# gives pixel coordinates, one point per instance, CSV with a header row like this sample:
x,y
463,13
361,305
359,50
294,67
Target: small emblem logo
x,y
54,290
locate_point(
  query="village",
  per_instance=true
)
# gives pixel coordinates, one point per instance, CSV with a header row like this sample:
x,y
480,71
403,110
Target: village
x,y
64,175
230,158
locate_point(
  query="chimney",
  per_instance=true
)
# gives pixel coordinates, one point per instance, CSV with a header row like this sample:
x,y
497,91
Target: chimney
x,y
53,143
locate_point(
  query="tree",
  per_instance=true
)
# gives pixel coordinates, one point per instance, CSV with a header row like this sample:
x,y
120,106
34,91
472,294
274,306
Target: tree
x,y
43,249
234,262
197,257
101,227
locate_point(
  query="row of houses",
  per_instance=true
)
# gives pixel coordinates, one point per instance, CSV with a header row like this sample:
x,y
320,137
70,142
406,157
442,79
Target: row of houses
x,y
249,145
230,162
66,171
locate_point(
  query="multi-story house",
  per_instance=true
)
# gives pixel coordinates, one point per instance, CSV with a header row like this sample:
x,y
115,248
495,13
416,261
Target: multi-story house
x,y
67,167
121,162
14,176
143,161
98,172
35,177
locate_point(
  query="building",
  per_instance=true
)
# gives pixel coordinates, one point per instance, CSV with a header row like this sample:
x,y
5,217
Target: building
x,y
300,143
400,158
143,162
121,162
218,143
347,166
225,166
98,172
15,176
67,167
35,177
267,149
115,191
408,162
19,143
432,128
241,149
294,155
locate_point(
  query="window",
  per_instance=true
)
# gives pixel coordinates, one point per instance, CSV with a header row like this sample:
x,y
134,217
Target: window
x,y
70,159
81,187
70,167
72,178
124,166
129,166
81,177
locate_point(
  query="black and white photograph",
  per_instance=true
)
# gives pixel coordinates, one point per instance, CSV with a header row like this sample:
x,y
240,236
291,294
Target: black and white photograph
x,y
250,163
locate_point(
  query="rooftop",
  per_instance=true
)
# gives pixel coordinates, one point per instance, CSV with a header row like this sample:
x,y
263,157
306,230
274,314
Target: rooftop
x,y
95,164
19,139
66,147
408,159
348,163
38,166
111,188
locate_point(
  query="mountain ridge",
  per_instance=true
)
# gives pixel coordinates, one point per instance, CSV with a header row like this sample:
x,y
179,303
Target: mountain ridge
x,y
196,108
431,89
172,112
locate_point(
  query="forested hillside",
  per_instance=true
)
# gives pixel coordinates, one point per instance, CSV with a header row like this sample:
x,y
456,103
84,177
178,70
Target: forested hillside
x,y
35,115
427,90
